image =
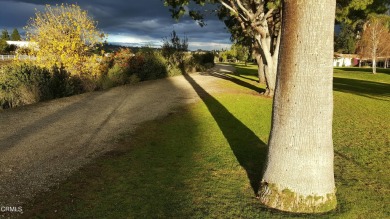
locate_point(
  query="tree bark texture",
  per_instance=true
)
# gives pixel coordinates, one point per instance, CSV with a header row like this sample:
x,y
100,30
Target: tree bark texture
x,y
259,61
260,68
270,63
299,173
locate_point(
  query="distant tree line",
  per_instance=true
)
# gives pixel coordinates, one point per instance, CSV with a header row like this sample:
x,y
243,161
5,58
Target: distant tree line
x,y
4,47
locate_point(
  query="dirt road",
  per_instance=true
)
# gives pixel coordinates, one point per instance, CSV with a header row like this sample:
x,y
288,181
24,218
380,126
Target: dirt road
x,y
43,143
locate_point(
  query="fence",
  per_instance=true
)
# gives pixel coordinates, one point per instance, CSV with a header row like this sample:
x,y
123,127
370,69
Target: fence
x,y
20,57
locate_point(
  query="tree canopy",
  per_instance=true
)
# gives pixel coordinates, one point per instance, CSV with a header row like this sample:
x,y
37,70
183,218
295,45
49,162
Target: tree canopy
x,y
4,47
65,36
4,35
352,15
375,38
15,36
351,11
345,41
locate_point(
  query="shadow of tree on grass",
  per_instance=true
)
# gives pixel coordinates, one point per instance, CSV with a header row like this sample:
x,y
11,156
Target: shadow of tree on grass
x,y
370,89
249,150
237,81
367,70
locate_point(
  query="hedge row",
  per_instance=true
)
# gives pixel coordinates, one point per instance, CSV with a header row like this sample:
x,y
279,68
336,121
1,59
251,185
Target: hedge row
x,y
22,84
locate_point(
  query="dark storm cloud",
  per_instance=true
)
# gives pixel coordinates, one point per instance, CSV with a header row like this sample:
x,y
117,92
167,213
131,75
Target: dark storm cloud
x,y
137,22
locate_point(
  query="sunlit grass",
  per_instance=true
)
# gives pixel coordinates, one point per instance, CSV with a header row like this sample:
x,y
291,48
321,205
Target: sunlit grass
x,y
201,162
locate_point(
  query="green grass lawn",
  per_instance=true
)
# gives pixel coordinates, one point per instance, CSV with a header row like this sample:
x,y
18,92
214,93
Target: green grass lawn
x,y
206,160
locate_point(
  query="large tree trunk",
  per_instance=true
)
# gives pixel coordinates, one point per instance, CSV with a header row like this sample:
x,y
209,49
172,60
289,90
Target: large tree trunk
x,y
299,172
260,65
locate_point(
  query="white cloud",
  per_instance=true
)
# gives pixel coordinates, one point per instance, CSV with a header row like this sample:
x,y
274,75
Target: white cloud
x,y
208,45
130,40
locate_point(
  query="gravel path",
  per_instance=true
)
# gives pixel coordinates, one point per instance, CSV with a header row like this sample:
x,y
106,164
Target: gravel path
x,y
42,144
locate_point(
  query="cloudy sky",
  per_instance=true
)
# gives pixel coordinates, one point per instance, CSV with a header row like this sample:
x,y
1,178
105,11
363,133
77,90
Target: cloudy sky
x,y
135,22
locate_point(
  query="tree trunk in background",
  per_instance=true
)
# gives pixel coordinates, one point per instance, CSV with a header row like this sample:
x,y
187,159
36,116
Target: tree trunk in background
x,y
375,42
299,172
269,64
260,67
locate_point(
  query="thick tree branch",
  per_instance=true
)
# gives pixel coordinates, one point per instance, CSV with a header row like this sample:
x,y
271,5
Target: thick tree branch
x,y
235,11
269,13
248,13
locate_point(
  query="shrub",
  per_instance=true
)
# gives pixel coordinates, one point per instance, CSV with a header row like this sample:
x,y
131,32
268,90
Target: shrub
x,y
106,63
24,84
199,62
62,84
136,64
123,57
117,74
204,58
209,65
133,79
174,71
155,67
84,83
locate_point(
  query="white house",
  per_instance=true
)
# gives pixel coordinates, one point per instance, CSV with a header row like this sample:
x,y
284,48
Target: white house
x,y
19,43
345,60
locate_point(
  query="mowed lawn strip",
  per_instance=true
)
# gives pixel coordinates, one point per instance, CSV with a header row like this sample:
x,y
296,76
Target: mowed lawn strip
x,y
204,161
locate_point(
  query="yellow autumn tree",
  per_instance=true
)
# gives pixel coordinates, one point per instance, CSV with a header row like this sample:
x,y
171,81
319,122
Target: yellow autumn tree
x,y
65,35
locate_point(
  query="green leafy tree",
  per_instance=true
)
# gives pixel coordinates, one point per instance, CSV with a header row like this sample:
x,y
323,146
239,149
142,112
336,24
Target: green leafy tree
x,y
346,40
352,11
247,40
3,46
15,36
4,35
259,20
241,52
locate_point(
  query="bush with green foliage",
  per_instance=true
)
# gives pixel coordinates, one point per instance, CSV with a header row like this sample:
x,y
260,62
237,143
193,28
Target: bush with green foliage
x,y
115,69
25,83
136,63
204,58
62,84
154,67
118,75
22,84
4,48
200,62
